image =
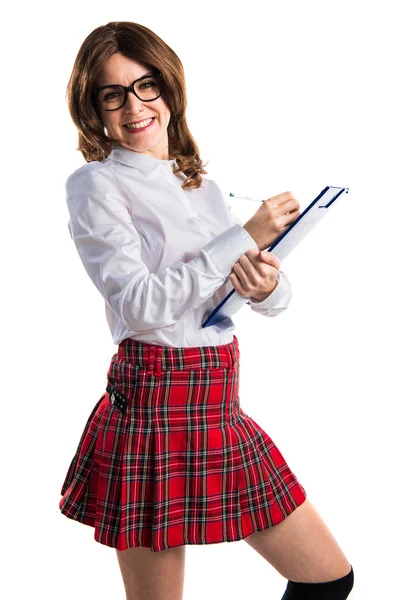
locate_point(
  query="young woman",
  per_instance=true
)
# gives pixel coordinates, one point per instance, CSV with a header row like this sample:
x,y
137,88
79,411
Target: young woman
x,y
168,457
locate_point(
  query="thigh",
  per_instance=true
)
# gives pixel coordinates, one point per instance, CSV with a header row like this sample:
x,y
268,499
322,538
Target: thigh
x,y
151,575
301,547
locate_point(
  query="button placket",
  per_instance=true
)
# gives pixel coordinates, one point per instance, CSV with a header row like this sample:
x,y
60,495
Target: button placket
x,y
174,181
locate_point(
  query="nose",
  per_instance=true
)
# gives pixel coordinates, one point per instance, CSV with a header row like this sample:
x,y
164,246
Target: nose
x,y
133,104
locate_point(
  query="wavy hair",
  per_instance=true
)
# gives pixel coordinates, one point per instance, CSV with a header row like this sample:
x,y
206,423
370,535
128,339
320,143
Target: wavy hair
x,y
141,44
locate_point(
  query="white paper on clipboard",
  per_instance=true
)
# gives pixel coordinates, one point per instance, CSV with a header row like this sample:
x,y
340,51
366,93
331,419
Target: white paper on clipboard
x,y
282,247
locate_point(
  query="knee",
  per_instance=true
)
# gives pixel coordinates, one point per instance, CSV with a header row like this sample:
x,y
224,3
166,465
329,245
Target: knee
x,y
339,589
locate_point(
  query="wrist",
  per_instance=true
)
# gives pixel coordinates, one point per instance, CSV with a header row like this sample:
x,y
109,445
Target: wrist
x,y
264,296
250,230
259,298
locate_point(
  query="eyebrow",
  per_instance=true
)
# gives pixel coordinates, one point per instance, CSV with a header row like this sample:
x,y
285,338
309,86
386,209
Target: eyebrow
x,y
144,75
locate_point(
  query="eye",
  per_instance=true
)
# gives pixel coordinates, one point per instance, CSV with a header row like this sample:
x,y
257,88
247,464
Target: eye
x,y
147,83
111,95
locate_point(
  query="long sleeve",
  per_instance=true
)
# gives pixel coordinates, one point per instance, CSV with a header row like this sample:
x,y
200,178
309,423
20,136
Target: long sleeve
x,y
280,298
277,301
109,247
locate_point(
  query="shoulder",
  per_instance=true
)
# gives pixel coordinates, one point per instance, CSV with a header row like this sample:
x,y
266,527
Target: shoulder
x,y
89,176
213,192
93,187
210,185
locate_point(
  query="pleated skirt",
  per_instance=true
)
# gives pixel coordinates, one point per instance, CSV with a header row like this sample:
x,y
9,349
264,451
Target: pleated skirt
x,y
168,457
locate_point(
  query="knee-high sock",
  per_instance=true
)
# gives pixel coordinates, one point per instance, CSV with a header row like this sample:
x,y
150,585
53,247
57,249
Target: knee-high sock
x,y
338,589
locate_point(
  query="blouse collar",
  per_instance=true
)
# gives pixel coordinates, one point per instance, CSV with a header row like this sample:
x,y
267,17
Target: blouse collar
x,y
141,161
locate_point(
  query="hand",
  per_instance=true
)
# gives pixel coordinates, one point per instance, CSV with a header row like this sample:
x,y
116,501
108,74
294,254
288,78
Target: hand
x,y
272,219
254,274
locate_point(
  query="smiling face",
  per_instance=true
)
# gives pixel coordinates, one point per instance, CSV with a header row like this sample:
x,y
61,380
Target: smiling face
x,y
152,139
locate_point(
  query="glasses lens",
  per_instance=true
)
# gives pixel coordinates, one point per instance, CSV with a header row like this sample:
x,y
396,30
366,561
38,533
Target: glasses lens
x,y
111,98
148,88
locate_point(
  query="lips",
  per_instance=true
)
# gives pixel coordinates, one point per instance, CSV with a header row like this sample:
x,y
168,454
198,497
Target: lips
x,y
136,122
140,129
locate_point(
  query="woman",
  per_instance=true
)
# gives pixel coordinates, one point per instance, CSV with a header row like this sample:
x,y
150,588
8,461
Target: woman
x,y
168,457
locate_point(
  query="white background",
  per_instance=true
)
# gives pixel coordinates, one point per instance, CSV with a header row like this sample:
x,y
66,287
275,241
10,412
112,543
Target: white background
x,y
288,96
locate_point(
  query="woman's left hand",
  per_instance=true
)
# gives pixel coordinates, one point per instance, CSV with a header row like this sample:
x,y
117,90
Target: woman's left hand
x,y
254,274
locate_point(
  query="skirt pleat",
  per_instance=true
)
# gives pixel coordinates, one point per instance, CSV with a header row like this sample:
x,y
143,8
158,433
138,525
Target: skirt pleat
x,y
168,457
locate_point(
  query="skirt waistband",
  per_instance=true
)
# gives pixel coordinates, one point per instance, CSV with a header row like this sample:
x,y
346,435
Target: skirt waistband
x,y
166,358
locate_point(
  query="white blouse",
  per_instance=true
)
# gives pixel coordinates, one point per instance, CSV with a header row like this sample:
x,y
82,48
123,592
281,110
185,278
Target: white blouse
x,y
159,255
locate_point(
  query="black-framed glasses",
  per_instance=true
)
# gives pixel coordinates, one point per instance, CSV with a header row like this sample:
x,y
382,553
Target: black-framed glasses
x,y
113,97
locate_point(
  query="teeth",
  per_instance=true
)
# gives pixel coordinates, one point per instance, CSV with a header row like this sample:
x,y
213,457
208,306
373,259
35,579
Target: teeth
x,y
138,125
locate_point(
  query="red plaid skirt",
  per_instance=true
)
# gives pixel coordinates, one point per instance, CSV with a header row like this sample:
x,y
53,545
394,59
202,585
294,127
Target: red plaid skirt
x,y
168,457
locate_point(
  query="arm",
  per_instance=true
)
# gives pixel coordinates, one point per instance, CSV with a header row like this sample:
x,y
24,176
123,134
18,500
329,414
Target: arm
x,y
109,247
279,299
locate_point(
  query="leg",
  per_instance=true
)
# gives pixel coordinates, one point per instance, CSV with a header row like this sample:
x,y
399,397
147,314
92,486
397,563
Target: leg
x,y
338,589
151,575
301,548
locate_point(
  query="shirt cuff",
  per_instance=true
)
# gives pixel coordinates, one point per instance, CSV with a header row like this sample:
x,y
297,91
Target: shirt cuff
x,y
226,249
278,299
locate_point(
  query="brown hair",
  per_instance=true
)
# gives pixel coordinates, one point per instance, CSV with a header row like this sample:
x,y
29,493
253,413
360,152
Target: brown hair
x,y
143,45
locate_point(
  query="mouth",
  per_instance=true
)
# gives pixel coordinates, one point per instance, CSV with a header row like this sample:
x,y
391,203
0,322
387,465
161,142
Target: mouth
x,y
140,125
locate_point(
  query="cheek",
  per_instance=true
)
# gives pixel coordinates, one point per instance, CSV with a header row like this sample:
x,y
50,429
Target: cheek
x,y
110,122
164,114
166,118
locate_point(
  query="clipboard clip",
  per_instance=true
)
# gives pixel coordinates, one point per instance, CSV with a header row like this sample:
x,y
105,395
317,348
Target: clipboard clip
x,y
327,205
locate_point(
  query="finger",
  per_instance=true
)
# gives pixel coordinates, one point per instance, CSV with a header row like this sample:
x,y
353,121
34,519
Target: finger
x,y
258,271
291,205
236,284
246,271
239,272
282,198
256,258
270,259
249,265
252,254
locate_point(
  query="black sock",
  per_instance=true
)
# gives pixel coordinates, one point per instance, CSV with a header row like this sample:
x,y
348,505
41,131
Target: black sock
x,y
338,589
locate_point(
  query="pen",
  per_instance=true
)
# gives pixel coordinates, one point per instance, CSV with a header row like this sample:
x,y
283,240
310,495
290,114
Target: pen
x,y
245,198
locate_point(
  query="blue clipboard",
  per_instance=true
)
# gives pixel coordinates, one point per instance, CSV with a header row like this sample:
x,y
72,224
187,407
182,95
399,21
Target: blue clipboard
x,y
282,247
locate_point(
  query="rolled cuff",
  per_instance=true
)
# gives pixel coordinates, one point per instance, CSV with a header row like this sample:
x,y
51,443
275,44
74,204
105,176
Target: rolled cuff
x,y
228,247
278,300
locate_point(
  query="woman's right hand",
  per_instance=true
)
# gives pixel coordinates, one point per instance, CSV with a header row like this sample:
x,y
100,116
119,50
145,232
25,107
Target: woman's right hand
x,y
272,219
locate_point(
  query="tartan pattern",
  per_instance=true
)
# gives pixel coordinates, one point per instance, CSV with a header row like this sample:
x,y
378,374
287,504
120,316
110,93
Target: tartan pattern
x,y
182,463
